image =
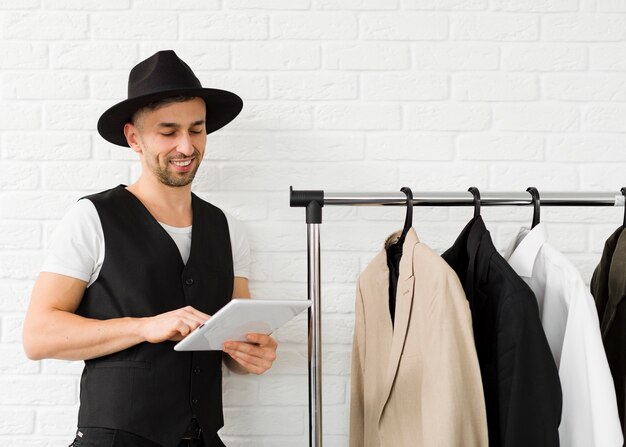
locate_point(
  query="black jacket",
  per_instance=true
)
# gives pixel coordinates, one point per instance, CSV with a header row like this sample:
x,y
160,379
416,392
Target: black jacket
x,y
520,379
149,389
608,287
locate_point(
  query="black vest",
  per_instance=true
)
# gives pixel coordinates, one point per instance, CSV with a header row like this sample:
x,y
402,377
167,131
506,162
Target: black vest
x,y
150,389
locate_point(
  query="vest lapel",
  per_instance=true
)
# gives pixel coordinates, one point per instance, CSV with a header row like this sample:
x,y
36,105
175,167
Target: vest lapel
x,y
197,221
141,209
404,303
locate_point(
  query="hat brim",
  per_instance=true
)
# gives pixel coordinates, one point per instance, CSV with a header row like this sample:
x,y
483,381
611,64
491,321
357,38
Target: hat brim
x,y
221,108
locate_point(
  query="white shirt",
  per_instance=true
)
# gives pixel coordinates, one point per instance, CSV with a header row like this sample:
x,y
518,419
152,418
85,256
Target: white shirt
x,y
77,248
570,321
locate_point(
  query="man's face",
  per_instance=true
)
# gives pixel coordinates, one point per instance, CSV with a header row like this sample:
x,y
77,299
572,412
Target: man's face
x,y
172,139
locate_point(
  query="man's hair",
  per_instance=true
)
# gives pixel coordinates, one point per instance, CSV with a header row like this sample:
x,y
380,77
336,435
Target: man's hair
x,y
154,105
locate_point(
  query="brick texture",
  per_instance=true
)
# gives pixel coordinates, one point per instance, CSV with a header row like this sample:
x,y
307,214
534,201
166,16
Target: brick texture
x,y
351,95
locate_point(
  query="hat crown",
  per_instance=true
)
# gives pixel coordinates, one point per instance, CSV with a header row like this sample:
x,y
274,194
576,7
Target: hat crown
x,y
162,71
164,75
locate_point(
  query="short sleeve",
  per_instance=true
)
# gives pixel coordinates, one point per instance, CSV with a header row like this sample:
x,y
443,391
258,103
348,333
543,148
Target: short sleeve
x,y
77,246
240,247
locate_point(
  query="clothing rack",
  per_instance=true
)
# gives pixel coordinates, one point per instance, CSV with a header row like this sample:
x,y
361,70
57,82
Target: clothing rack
x,y
314,200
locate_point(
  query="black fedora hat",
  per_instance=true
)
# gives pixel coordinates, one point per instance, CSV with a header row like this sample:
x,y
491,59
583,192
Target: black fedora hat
x,y
164,75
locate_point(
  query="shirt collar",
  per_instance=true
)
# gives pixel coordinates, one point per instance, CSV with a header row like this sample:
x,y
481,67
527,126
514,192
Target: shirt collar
x,y
523,250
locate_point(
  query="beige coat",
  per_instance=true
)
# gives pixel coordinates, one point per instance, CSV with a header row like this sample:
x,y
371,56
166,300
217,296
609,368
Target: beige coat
x,y
416,383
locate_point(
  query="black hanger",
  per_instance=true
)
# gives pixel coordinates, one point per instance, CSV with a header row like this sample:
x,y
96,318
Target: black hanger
x,y
536,205
476,193
623,191
408,221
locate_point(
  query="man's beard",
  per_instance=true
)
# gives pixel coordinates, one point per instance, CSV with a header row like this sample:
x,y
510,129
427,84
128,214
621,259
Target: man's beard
x,y
176,179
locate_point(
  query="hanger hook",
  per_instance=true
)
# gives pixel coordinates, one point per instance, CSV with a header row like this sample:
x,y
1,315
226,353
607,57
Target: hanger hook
x,y
476,193
408,221
623,191
536,205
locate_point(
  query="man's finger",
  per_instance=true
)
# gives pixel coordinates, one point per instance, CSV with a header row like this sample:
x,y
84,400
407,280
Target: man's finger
x,y
244,348
182,328
185,326
261,339
196,313
262,356
249,361
249,366
243,356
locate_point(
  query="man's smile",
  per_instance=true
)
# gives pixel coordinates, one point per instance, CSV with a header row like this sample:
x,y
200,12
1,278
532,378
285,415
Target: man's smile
x,y
182,165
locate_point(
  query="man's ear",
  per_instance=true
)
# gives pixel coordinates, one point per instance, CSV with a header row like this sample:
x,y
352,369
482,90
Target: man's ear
x,y
132,136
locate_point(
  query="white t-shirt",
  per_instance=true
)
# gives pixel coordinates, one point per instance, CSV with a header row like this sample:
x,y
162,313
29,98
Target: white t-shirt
x,y
77,248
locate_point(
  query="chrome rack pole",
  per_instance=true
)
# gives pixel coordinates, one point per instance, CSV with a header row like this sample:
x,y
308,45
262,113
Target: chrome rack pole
x,y
315,335
314,200
466,199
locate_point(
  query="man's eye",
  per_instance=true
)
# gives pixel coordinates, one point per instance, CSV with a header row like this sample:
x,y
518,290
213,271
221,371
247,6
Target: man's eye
x,y
168,134
197,132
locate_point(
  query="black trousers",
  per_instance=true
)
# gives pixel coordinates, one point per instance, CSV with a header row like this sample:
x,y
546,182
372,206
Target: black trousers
x,y
107,437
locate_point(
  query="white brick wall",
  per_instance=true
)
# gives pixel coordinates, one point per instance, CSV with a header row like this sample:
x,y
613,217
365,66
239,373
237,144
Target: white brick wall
x,y
339,95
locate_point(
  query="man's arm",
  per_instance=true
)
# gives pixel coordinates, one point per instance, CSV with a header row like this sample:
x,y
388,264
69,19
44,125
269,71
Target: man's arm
x,y
53,330
240,288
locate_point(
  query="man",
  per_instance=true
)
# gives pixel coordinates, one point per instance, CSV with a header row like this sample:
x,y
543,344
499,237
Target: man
x,y
125,279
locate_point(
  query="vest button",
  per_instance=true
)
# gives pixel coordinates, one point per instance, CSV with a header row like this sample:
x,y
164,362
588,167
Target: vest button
x,y
196,370
189,281
194,401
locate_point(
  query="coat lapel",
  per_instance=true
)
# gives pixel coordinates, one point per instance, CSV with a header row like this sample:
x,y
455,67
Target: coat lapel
x,y
404,302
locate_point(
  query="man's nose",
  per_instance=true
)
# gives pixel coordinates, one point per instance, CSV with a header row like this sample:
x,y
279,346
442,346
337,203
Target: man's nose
x,y
185,145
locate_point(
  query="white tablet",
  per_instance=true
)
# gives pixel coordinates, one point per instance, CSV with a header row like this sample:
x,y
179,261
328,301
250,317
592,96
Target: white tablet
x,y
238,318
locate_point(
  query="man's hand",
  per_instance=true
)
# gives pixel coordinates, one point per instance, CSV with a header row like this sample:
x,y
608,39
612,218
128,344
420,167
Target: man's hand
x,y
256,355
174,325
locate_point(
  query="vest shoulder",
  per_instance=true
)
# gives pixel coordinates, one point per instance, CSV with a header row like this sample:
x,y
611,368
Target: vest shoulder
x,y
117,198
207,206
104,195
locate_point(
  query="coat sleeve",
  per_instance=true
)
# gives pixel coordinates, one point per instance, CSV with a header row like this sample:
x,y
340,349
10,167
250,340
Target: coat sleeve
x,y
529,390
357,415
452,399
